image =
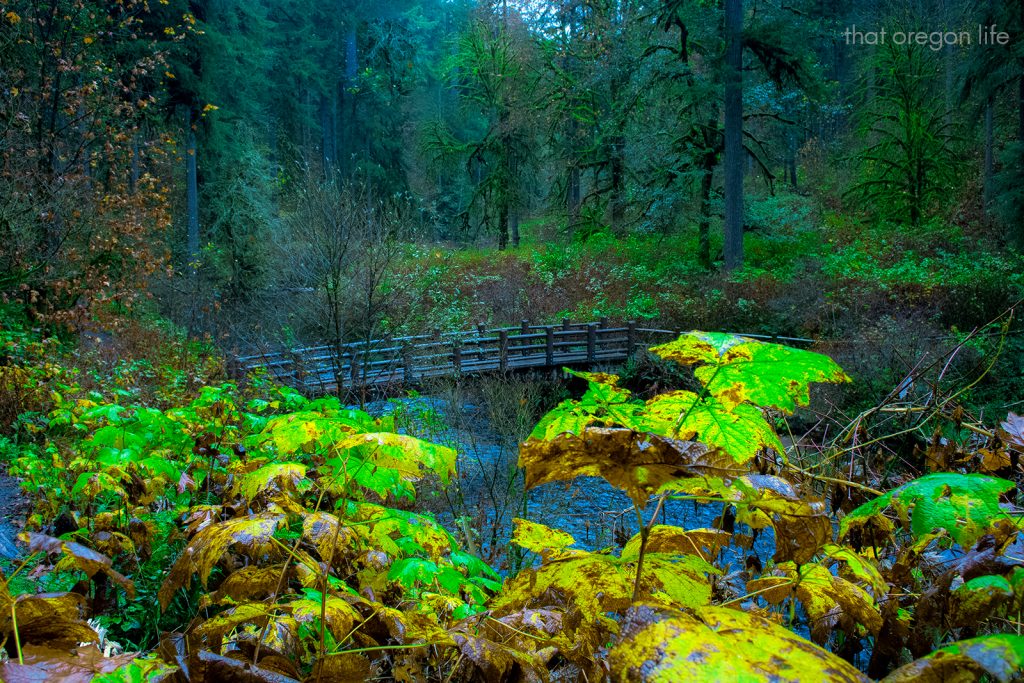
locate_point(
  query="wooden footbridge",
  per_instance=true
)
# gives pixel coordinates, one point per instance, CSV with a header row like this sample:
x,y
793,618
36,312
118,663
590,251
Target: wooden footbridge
x,y
393,363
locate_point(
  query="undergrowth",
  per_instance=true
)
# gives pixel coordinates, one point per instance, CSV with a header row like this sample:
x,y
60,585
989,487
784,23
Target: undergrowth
x,y
250,533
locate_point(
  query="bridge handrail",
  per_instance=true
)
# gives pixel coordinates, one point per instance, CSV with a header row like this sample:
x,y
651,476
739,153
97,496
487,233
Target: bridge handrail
x,y
397,360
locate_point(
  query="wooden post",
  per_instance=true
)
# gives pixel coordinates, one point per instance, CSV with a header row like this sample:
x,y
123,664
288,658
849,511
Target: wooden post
x,y
525,327
603,322
481,329
503,350
236,371
298,367
549,346
437,334
407,368
354,368
591,342
630,338
566,324
457,356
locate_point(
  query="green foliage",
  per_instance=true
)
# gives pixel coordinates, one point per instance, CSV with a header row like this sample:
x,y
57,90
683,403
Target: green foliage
x,y
908,162
966,506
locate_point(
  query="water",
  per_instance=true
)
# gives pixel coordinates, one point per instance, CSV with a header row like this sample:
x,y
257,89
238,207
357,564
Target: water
x,y
489,495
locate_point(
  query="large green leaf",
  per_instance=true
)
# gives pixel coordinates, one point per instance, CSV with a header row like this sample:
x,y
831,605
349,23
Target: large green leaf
x,y
603,404
311,430
738,369
739,430
409,456
965,505
718,644
999,656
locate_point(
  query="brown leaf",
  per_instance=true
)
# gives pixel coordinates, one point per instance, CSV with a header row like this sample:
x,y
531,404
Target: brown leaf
x,y
252,535
704,543
51,618
638,463
248,583
79,665
342,668
208,667
1012,431
86,559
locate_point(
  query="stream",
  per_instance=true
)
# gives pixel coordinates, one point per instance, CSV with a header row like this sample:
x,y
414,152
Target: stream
x,y
594,512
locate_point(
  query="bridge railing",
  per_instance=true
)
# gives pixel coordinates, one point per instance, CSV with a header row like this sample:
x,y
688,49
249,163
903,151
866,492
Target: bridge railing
x,y
408,360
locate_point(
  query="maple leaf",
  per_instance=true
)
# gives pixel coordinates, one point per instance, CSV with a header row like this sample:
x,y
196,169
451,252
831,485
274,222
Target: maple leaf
x,y
737,369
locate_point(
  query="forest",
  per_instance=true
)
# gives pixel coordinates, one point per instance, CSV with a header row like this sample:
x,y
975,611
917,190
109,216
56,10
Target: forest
x,y
511,340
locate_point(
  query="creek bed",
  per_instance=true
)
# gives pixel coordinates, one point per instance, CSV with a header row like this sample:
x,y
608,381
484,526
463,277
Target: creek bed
x,y
489,494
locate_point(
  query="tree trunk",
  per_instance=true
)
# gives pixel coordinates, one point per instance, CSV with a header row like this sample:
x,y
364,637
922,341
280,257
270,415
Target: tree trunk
x,y
704,227
1020,110
618,172
791,153
513,220
348,98
989,161
327,139
572,189
733,135
503,225
191,192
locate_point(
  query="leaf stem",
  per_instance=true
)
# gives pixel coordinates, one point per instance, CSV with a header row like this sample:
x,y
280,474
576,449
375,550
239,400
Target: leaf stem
x,y
644,533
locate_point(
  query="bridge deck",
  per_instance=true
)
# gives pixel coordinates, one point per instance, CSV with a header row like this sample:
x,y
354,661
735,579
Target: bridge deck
x,y
405,361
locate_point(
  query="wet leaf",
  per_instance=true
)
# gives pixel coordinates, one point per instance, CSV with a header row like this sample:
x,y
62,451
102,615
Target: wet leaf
x,y
979,598
1012,431
801,523
999,656
332,539
858,567
550,544
603,404
597,584
51,619
965,505
338,614
704,543
399,533
252,535
248,583
637,463
311,431
208,666
86,559
80,665
739,429
342,668
278,476
737,369
214,629
412,458
718,644
830,601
